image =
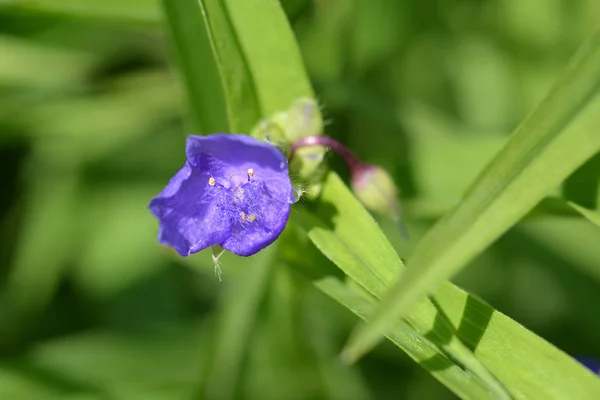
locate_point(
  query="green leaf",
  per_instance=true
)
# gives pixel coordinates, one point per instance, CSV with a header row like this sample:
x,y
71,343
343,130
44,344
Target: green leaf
x,y
30,65
590,215
373,263
559,136
525,364
257,58
437,363
144,12
35,275
237,317
162,364
198,67
583,186
568,238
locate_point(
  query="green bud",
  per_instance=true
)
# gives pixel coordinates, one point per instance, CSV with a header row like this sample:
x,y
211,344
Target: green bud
x,y
301,119
375,188
371,184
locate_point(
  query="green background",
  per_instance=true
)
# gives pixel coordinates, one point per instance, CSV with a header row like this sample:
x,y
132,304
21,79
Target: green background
x,y
93,118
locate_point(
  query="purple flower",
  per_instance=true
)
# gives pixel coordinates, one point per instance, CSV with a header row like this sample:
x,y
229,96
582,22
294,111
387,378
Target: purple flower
x,y
233,191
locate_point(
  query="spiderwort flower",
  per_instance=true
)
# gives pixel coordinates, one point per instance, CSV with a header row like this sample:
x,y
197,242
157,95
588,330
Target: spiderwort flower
x,y
233,191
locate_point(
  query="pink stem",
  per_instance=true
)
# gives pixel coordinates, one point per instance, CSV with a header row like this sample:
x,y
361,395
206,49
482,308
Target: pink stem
x,y
353,163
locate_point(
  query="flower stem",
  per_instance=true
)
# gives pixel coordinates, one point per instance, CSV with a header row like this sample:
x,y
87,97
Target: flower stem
x,y
353,163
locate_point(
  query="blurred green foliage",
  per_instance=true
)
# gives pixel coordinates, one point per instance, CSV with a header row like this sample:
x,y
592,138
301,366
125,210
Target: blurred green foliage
x,y
92,126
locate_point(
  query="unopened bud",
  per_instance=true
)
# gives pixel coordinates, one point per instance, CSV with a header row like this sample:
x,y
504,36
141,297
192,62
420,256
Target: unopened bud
x,y
375,188
372,185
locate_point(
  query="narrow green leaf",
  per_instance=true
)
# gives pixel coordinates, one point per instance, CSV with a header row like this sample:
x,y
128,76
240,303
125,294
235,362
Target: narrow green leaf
x,y
198,67
30,65
525,364
372,262
590,215
270,50
237,316
560,135
145,12
163,364
568,238
258,59
583,186
50,198
35,275
459,380
241,99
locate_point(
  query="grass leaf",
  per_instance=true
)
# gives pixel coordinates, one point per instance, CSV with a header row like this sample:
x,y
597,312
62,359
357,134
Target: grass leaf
x,y
559,136
439,364
143,12
238,309
524,364
257,56
197,64
590,215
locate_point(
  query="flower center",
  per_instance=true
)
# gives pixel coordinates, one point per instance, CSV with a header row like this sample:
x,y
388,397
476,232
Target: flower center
x,y
243,198
238,195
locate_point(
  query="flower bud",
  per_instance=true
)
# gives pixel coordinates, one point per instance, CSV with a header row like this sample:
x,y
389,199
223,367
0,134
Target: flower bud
x,y
371,184
303,119
375,188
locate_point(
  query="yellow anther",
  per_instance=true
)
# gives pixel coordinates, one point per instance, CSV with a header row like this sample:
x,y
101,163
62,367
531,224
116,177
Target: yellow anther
x,y
250,172
252,217
211,181
243,216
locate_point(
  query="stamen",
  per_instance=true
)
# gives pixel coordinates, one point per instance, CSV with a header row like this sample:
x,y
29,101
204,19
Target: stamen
x,y
211,181
252,217
243,216
250,172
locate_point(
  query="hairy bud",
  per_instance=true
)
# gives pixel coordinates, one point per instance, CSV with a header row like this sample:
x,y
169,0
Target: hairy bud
x,y
372,185
375,188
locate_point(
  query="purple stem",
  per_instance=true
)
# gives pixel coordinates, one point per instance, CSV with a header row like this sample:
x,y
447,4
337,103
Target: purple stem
x,y
353,163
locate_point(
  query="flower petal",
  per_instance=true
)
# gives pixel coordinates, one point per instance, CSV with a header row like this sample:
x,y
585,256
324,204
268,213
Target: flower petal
x,y
261,218
229,157
189,214
234,191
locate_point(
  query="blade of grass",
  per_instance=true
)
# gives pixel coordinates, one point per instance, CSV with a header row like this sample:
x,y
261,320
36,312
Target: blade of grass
x,y
355,258
583,186
239,306
259,63
525,364
579,246
459,380
29,65
590,215
35,275
199,71
553,141
127,12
